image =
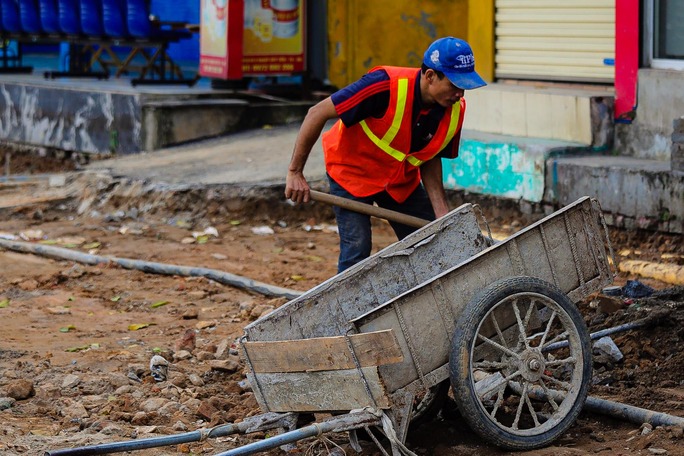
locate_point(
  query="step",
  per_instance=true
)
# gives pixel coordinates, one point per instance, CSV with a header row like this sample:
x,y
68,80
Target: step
x,y
112,117
633,192
503,165
172,122
582,114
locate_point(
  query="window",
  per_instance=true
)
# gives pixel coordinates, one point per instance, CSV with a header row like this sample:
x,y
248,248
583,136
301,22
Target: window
x,y
665,34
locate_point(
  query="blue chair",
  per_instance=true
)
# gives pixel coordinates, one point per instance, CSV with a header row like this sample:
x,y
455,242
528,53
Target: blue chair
x,y
11,19
157,36
91,17
10,24
29,13
93,25
138,18
69,16
49,16
114,18
141,26
79,56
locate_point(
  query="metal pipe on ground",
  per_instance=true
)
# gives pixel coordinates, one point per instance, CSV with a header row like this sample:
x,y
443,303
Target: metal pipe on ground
x,y
260,422
601,333
605,407
630,413
655,317
363,208
615,409
339,424
24,178
151,267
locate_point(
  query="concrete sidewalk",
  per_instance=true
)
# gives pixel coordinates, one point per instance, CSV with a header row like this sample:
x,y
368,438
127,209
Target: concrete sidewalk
x,y
254,157
635,193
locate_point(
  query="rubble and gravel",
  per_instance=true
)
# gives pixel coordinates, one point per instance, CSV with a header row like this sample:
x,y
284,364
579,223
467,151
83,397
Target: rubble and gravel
x,y
82,350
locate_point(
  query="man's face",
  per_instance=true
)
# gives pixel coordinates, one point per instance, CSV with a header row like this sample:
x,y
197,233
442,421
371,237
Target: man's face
x,y
442,91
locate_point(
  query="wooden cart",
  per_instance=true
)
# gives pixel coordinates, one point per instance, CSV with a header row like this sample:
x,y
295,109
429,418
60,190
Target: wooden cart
x,y
496,319
378,345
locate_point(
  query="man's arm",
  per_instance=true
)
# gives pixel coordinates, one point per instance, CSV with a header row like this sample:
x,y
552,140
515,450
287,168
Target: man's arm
x,y
296,186
431,175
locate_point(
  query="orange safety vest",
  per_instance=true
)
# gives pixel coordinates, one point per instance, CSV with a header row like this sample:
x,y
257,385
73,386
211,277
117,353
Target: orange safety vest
x,y
374,155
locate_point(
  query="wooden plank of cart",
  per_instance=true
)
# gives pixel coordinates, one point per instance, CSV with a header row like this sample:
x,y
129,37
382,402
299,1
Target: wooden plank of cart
x,y
378,345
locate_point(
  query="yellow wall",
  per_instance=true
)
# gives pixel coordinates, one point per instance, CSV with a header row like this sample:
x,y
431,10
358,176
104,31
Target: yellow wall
x,y
481,36
366,33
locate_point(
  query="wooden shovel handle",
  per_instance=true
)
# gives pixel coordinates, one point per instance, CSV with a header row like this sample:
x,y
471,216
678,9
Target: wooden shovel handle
x,y
363,208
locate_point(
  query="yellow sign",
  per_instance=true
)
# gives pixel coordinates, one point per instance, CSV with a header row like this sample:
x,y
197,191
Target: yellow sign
x,y
273,36
251,37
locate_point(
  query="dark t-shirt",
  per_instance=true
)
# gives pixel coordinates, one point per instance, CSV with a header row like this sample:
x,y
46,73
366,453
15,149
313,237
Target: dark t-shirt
x,y
369,97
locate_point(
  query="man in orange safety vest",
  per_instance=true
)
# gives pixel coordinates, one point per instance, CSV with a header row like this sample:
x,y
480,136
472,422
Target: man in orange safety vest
x,y
395,125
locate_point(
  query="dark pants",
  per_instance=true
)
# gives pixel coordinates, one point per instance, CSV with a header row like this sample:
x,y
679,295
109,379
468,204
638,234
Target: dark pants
x,y
355,228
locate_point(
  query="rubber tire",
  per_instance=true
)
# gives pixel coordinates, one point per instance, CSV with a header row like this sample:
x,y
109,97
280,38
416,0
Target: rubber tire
x,y
459,362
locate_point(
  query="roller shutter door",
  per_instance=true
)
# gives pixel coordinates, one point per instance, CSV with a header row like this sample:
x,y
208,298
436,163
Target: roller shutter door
x,y
555,40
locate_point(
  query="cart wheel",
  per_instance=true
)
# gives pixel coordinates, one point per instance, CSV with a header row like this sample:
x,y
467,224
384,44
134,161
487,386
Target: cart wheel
x,y
520,363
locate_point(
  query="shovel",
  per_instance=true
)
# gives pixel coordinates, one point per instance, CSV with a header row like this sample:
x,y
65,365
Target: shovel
x,y
363,208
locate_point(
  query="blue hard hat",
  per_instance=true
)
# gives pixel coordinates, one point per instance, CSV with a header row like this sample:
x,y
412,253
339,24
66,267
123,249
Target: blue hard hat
x,y
454,58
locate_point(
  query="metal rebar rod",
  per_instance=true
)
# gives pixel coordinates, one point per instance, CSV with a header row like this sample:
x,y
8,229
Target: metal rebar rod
x,y
25,177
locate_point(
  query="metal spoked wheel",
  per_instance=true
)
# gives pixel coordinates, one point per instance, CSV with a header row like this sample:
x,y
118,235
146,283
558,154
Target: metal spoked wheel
x,y
520,363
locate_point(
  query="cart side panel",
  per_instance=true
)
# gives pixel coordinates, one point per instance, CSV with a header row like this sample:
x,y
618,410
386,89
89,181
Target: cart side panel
x,y
568,251
546,258
561,249
324,316
339,390
463,283
586,259
327,309
428,315
417,320
597,233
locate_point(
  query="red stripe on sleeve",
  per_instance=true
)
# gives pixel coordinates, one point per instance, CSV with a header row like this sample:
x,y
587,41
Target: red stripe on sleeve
x,y
362,95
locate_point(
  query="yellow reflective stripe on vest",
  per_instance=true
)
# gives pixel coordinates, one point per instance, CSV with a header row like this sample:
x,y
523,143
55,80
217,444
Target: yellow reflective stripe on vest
x,y
384,143
414,161
451,131
398,113
453,124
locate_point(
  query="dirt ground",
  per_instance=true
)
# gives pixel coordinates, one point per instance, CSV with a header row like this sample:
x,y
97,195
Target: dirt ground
x,y
77,339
